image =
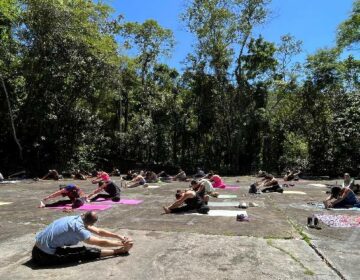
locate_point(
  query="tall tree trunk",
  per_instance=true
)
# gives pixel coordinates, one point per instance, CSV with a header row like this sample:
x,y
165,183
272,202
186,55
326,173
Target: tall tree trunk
x,y
12,120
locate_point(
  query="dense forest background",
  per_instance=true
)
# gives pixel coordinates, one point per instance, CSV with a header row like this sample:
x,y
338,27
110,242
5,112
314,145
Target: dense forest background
x,y
72,97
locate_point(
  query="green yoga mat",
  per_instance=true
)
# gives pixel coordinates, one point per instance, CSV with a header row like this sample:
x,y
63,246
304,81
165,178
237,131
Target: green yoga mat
x,y
223,203
227,196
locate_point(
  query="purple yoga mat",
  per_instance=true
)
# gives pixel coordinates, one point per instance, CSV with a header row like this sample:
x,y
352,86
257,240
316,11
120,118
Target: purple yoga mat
x,y
85,207
122,201
231,187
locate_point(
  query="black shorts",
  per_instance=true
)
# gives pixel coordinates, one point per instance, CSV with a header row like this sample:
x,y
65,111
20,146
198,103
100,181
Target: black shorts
x,y
64,255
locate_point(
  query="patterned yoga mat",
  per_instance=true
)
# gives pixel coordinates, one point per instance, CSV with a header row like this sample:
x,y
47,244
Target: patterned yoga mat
x,y
344,221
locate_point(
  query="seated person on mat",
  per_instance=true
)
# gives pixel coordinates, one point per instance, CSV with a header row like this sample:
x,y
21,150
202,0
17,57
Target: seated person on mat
x,y
203,187
137,180
52,244
270,184
181,176
115,172
151,177
78,175
191,201
76,197
101,177
216,180
341,198
348,181
199,173
291,175
52,175
261,174
113,192
129,176
164,177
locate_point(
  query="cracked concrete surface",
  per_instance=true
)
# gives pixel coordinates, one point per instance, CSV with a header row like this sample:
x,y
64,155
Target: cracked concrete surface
x,y
186,247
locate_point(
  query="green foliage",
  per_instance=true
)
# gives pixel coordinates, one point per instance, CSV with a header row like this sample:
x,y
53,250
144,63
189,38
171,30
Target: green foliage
x,y
349,31
76,98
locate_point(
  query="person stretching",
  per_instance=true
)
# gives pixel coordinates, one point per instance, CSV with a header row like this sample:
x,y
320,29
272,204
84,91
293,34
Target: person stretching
x,y
216,180
52,244
76,197
204,187
112,192
138,180
186,201
341,198
101,176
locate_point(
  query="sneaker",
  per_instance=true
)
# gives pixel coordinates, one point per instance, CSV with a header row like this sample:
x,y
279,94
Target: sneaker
x,y
242,218
42,204
243,205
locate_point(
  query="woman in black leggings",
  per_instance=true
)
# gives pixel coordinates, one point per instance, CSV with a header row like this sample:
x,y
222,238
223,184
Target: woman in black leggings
x,y
112,192
187,201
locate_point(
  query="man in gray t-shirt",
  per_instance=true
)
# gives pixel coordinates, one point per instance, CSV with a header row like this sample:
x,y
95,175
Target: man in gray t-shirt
x,y
52,244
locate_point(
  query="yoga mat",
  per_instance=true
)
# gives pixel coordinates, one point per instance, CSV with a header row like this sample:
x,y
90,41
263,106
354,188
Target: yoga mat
x,y
85,207
294,192
223,203
231,188
221,213
343,221
4,203
345,209
9,182
317,185
152,187
227,196
122,201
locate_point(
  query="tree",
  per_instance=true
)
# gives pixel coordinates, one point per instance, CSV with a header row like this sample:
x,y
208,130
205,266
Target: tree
x,y
349,31
70,71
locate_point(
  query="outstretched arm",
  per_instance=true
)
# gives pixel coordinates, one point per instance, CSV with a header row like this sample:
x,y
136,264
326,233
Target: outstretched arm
x,y
99,189
180,201
103,242
341,198
55,194
105,233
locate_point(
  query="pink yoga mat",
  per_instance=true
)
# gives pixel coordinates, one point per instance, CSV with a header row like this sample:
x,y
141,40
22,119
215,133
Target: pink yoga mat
x,y
85,207
122,201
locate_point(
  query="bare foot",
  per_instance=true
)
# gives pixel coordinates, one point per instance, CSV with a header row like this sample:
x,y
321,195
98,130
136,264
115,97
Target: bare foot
x,y
120,251
167,210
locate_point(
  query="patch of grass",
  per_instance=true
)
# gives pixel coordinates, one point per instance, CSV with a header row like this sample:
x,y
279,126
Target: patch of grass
x,y
307,271
300,230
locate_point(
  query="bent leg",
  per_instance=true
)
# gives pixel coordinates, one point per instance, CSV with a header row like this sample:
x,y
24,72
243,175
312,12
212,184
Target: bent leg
x,y
100,195
204,209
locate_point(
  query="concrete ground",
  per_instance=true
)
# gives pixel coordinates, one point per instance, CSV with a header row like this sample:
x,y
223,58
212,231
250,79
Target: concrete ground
x,y
274,244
